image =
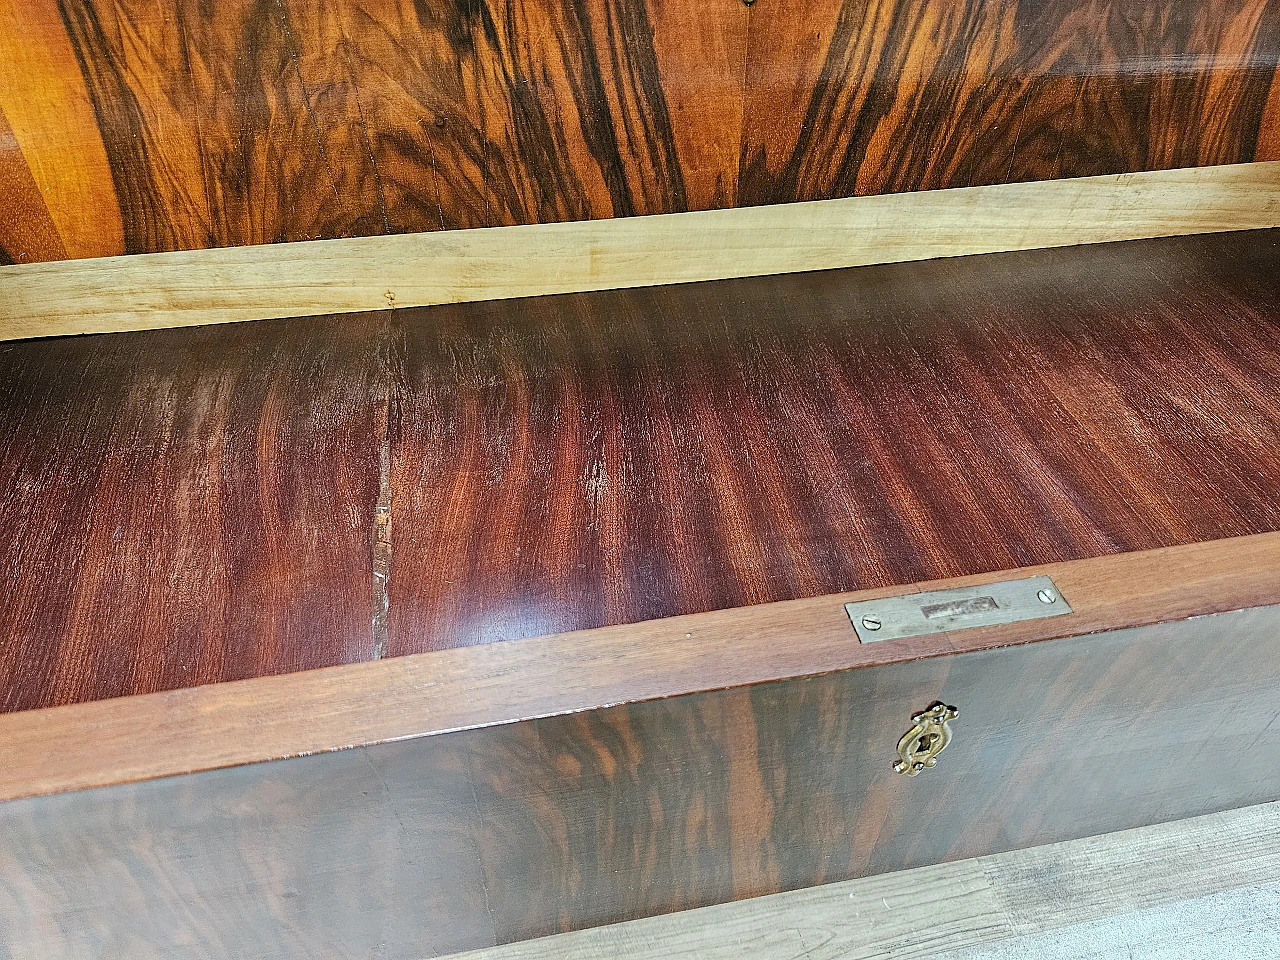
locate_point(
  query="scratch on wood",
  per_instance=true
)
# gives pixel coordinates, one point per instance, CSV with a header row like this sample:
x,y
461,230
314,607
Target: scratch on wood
x,y
381,537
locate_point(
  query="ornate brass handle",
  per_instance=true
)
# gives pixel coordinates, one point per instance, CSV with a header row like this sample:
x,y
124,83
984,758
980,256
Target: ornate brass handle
x,y
920,746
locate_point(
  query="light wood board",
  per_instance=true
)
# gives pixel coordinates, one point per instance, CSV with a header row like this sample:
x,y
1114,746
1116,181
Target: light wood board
x,y
336,276
1092,896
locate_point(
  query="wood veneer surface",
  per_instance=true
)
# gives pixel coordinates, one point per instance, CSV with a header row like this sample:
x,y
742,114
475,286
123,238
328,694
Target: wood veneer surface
x,y
441,692
443,843
182,507
568,462
188,124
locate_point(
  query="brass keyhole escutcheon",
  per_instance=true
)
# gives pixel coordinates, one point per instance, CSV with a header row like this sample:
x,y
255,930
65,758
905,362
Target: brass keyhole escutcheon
x,y
919,747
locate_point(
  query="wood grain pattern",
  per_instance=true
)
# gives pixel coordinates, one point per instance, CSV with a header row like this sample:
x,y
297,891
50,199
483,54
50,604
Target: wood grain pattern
x,y
1269,137
584,128
263,122
184,508
856,98
929,912
635,811
509,832
566,463
29,232
212,135
269,718
574,462
256,121
305,279
306,861
55,126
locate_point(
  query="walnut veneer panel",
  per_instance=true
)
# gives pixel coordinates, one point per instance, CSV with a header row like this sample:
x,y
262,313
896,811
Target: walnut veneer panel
x,y
857,97
182,507
465,839
189,124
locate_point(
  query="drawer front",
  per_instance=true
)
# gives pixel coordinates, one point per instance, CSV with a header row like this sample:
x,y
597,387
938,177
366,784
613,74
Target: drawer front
x,y
460,840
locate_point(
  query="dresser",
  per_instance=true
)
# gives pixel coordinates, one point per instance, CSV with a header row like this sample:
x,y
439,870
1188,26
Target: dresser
x,y
470,472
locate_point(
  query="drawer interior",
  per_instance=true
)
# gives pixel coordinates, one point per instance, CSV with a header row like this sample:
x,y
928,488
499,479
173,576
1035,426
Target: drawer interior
x,y
190,506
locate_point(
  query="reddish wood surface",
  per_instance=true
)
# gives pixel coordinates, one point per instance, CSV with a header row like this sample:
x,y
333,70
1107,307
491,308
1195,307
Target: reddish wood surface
x,y
450,842
568,462
189,125
184,507
96,744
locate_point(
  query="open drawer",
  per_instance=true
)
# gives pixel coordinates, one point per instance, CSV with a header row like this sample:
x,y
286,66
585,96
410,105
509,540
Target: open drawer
x,y
410,632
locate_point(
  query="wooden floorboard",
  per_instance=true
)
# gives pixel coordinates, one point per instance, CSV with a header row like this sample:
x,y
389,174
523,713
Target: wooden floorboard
x,y
1208,887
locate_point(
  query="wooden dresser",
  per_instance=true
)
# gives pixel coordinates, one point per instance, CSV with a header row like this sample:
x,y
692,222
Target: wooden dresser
x,y
683,452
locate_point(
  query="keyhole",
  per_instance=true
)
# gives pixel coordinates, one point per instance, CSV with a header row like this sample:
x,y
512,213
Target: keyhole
x,y
925,743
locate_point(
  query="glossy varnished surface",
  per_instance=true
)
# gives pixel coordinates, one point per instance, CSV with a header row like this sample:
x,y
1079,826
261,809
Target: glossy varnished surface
x,y
462,840
188,125
568,462
185,507
319,711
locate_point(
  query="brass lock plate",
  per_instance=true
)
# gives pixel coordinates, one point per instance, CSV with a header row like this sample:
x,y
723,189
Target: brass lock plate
x,y
940,611
919,747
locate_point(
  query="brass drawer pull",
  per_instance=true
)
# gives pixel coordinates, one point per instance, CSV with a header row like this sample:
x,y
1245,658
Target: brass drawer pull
x,y
920,746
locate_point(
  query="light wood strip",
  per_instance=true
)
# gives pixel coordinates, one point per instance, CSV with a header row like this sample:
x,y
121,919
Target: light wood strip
x,y
221,725
336,276
928,911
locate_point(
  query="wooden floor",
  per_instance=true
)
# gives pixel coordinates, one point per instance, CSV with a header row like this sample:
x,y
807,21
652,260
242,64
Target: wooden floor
x,y
1204,888
302,493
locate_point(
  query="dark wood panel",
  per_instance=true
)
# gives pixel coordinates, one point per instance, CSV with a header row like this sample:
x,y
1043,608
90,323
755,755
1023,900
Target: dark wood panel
x,y
856,98
454,841
185,507
567,462
270,861
634,811
197,125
